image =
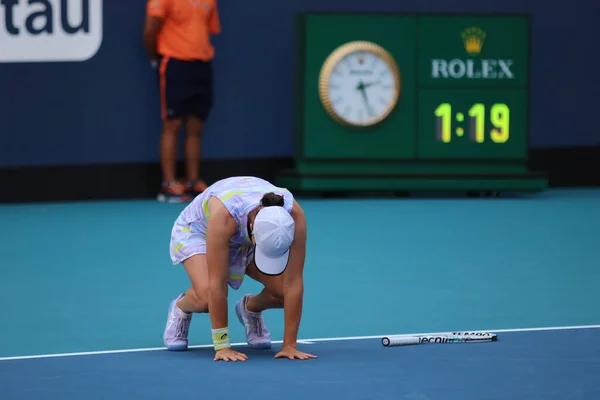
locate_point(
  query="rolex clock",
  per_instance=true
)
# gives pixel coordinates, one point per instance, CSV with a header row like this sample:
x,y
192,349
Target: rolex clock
x,y
359,84
395,101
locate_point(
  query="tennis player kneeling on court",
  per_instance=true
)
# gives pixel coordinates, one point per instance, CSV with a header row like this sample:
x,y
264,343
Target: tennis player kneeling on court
x,y
240,226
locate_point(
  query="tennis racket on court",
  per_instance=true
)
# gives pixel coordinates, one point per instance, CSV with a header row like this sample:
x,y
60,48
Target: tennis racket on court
x,y
446,337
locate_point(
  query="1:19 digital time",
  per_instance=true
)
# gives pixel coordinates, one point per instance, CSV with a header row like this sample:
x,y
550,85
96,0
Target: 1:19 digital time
x,y
499,117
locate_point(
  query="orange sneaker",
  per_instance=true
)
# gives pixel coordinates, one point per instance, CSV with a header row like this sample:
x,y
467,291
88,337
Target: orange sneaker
x,y
173,192
197,187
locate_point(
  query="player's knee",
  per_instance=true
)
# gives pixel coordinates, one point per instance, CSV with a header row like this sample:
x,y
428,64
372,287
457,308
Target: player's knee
x,y
194,127
276,294
200,298
171,127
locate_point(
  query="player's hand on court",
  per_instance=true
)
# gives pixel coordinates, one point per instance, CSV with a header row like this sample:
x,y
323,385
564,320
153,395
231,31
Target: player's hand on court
x,y
293,353
230,355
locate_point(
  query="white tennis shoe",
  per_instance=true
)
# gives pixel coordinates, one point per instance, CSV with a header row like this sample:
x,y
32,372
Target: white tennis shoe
x,y
175,336
257,334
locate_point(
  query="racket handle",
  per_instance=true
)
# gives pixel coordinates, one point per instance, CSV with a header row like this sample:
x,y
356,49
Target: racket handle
x,y
399,340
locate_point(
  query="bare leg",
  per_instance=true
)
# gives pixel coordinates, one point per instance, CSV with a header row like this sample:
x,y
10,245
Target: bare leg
x,y
182,309
168,149
265,300
272,294
196,297
193,145
249,308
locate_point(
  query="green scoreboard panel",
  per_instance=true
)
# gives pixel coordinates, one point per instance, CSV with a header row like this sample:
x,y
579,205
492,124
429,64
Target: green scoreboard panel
x,y
473,87
401,102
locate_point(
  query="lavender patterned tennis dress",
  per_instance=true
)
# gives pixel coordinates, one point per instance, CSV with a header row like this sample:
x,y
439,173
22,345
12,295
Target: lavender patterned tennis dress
x,y
240,195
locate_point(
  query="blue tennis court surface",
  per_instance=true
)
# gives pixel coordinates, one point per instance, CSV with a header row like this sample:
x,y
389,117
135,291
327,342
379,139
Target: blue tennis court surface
x,y
95,277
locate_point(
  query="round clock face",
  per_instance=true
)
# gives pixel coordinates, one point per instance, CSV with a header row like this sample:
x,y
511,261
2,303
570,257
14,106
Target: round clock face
x,y
360,87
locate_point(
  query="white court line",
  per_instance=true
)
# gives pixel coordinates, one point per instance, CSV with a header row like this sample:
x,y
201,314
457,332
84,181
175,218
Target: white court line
x,y
302,341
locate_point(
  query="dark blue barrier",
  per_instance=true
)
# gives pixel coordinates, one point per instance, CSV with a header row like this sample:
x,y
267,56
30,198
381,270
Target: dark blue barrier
x,y
106,110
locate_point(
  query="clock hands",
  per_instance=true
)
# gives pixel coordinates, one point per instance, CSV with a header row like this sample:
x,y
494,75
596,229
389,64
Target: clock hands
x,y
366,85
361,87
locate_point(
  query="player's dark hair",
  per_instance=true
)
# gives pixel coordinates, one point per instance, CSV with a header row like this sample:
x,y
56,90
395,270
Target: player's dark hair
x,y
272,199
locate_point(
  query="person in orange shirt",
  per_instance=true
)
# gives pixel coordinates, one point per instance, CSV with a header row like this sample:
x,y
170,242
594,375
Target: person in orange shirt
x,y
177,39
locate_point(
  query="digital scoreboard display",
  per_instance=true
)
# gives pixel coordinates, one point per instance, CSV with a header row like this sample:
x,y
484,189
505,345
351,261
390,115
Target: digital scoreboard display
x,y
414,97
473,87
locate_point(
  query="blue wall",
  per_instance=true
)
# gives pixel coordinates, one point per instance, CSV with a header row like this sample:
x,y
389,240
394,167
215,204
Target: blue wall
x,y
106,109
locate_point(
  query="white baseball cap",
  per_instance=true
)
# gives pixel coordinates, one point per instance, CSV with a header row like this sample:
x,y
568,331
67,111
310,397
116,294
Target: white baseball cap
x,y
273,232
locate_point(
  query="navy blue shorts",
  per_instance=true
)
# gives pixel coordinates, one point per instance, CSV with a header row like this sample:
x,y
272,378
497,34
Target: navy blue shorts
x,y
186,88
